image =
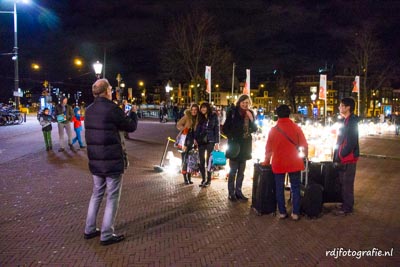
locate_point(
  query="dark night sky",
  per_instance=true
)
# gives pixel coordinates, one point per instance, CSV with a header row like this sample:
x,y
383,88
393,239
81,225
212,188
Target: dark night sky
x,y
262,35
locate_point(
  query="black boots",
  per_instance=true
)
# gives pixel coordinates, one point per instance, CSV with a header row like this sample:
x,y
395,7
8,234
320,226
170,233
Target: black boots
x,y
187,178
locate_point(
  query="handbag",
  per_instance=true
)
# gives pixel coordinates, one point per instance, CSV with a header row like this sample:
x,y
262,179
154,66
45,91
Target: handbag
x,y
233,150
218,158
60,118
180,139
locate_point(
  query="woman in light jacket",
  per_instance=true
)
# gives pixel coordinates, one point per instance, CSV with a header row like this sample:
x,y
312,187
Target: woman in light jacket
x,y
187,124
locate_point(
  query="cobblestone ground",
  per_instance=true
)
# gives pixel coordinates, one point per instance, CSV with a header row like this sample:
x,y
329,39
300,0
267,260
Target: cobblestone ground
x,y
44,198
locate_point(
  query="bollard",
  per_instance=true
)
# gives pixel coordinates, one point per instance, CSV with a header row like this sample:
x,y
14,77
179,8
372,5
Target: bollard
x,y
24,116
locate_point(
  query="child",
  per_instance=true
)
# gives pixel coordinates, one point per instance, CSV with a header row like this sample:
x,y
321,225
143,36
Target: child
x,y
45,120
77,127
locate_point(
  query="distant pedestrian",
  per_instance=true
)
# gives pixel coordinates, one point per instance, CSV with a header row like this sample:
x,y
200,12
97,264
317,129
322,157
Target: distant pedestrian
x,y
238,127
64,116
45,120
175,113
103,123
282,153
346,154
396,121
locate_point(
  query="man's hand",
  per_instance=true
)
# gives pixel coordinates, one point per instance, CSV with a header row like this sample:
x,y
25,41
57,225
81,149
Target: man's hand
x,y
265,163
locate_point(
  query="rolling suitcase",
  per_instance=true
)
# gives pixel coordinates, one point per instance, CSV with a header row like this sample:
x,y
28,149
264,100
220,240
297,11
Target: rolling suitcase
x,y
325,174
263,197
311,195
332,186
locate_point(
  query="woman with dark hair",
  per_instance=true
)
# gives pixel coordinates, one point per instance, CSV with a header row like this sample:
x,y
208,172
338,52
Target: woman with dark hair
x,y
207,138
239,125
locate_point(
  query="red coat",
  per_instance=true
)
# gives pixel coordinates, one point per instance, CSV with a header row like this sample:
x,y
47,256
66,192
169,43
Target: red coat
x,y
77,122
280,152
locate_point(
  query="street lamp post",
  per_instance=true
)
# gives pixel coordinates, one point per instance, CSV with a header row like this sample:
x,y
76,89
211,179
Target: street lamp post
x,y
118,91
168,89
15,54
97,69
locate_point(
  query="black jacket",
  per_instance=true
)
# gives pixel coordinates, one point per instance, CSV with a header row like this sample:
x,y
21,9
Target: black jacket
x,y
347,148
233,129
209,127
103,122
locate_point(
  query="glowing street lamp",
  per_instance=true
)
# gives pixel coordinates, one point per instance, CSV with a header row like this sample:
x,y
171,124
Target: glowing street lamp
x,y
98,67
35,66
78,62
15,52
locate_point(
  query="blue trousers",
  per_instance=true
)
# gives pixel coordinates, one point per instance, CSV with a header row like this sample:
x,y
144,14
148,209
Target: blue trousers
x,y
78,136
294,188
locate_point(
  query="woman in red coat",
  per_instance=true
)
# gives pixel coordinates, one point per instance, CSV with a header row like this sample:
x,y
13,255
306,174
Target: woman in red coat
x,y
283,154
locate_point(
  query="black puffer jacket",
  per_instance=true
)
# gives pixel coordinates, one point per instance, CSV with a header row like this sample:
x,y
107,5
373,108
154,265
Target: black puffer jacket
x,y
103,122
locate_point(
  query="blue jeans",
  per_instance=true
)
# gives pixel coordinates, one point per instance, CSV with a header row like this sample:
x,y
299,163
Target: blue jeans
x,y
78,136
294,188
113,187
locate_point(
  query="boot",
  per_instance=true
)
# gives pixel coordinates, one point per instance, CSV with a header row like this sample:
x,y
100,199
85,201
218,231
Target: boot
x,y
189,176
185,178
208,183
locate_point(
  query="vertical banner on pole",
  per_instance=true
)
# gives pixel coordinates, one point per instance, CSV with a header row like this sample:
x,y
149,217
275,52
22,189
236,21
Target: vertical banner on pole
x,y
130,93
179,93
356,84
246,89
322,87
323,92
208,81
356,89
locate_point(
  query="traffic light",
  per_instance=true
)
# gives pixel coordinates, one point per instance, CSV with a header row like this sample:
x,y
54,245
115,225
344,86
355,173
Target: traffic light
x,y
45,84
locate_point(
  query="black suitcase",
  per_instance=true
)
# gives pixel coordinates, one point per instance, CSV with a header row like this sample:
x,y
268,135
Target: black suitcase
x,y
263,197
332,186
311,191
325,174
311,200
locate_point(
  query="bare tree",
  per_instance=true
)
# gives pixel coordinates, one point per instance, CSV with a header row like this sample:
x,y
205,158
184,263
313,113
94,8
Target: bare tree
x,y
368,57
192,43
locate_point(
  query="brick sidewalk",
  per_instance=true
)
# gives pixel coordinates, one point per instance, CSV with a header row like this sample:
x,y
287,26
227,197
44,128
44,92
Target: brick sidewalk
x,y
44,199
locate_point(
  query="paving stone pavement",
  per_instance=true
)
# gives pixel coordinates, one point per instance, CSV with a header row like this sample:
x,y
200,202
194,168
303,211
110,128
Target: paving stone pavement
x,y
44,198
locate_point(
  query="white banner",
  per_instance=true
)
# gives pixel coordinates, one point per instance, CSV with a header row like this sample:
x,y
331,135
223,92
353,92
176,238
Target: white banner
x,y
322,87
246,89
208,79
356,84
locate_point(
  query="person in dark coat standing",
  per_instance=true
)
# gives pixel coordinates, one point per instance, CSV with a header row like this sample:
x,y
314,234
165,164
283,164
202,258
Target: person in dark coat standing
x,y
238,126
103,124
207,139
346,154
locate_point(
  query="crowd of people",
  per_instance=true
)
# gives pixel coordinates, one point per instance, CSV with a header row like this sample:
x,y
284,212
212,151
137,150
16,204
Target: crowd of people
x,y
107,124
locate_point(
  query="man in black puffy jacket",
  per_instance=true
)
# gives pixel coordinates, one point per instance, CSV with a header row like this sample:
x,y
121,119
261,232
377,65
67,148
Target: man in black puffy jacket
x,y
104,120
